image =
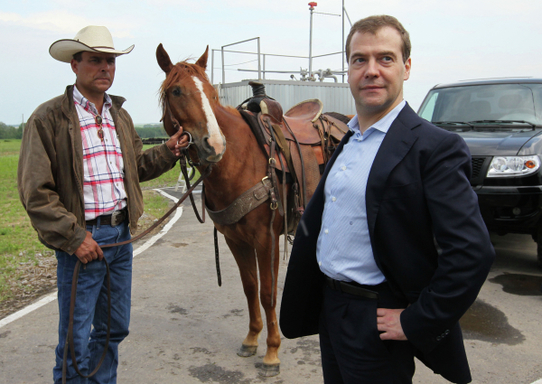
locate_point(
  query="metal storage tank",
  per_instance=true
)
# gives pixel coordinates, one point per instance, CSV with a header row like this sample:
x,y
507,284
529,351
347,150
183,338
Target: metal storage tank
x,y
336,97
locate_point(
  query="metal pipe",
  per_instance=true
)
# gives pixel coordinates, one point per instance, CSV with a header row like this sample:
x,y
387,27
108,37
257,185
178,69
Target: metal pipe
x,y
343,47
311,8
264,66
259,61
212,65
223,68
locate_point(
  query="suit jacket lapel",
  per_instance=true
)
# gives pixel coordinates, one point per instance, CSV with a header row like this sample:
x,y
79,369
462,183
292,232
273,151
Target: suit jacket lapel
x,y
393,150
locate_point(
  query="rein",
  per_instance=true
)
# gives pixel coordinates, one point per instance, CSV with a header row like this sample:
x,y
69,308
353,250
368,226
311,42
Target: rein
x,y
69,337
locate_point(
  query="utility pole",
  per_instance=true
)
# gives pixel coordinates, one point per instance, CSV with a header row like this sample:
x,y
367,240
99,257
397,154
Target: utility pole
x,y
312,4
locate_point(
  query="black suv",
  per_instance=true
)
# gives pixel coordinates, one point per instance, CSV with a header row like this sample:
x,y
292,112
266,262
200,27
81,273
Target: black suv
x,y
501,122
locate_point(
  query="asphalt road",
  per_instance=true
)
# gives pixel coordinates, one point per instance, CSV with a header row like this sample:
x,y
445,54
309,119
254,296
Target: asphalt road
x,y
186,329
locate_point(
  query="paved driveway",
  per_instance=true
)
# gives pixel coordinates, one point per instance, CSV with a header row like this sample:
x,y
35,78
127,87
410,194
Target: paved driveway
x,y
186,329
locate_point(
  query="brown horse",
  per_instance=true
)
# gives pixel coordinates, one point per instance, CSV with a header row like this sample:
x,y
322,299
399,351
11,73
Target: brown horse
x,y
223,140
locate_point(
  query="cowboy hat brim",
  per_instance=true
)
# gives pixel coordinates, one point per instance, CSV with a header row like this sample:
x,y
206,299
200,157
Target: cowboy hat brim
x,y
63,50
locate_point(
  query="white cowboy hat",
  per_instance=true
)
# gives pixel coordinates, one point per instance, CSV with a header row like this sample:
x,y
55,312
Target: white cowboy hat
x,y
89,39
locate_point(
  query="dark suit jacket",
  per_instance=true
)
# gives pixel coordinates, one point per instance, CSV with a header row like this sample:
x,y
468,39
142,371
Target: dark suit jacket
x,y
427,235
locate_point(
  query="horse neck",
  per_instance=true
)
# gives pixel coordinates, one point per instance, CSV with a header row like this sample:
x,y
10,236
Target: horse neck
x,y
243,164
239,138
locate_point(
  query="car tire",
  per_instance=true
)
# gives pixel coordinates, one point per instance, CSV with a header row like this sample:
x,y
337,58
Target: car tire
x,y
538,239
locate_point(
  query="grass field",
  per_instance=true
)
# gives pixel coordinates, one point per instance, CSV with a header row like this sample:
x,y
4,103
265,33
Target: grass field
x,y
18,240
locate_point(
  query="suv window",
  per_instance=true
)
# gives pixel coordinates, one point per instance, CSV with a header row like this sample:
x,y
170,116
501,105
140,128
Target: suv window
x,y
484,102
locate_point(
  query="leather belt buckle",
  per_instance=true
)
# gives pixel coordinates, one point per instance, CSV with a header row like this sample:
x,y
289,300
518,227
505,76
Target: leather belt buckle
x,y
117,217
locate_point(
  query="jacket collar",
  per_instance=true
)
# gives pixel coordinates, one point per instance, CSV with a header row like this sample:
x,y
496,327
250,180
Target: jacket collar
x,y
67,101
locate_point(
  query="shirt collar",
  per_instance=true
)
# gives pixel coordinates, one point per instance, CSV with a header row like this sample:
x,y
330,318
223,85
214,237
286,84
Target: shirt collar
x,y
383,124
88,105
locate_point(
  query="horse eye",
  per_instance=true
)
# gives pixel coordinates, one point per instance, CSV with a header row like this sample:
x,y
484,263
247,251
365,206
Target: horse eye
x,y
176,92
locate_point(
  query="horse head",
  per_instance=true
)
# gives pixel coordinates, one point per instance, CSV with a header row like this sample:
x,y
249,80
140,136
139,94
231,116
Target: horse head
x,y
188,97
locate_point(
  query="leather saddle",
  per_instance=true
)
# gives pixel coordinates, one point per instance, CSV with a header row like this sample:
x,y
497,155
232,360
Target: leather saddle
x,y
305,136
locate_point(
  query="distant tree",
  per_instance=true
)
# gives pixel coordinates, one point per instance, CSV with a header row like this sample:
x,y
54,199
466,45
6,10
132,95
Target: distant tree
x,y
20,131
151,131
10,132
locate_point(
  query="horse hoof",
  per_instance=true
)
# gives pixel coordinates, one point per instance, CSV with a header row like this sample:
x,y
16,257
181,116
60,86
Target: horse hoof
x,y
269,370
247,350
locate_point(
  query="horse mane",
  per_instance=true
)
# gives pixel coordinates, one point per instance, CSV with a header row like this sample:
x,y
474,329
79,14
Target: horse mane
x,y
178,73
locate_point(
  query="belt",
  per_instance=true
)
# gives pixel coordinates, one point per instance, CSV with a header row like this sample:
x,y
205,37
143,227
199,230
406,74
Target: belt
x,y
116,218
350,288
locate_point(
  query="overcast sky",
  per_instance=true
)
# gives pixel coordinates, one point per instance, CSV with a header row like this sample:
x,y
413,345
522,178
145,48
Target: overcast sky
x,y
452,40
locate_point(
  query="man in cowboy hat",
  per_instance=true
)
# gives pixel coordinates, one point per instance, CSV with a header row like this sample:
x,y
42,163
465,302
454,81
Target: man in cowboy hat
x,y
80,165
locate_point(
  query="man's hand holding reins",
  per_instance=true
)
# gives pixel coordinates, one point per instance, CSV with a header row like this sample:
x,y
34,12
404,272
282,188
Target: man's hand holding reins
x,y
89,250
178,142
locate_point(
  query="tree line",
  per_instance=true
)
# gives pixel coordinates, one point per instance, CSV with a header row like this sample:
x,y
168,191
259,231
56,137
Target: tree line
x,y
145,131
10,132
148,131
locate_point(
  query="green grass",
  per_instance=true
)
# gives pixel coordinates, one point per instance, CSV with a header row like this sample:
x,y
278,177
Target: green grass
x,y
168,179
18,240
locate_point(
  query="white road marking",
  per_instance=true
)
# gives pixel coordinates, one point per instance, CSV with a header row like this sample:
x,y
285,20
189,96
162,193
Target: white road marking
x,y
53,295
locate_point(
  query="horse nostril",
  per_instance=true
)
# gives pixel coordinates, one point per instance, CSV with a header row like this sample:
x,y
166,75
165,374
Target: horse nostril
x,y
206,143
212,148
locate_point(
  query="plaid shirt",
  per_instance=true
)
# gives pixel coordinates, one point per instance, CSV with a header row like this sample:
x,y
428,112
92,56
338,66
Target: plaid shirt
x,y
103,164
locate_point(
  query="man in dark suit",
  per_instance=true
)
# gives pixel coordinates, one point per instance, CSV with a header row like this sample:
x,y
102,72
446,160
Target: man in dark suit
x,y
391,250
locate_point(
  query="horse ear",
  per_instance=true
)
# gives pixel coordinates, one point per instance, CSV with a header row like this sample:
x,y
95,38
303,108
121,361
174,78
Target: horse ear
x,y
163,59
202,61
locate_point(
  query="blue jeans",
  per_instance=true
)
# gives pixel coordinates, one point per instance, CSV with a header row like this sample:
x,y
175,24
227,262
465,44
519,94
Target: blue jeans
x,y
91,307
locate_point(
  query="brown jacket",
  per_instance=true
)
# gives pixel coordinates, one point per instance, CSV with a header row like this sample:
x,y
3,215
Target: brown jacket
x,y
50,172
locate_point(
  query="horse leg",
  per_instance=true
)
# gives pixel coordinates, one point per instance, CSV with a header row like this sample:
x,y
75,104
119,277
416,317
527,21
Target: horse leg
x,y
269,267
246,261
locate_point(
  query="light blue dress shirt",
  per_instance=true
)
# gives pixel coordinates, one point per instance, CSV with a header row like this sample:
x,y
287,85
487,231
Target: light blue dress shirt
x,y
344,250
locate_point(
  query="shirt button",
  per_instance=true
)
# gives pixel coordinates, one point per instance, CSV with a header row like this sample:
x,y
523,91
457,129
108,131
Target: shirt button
x,y
343,167
333,199
326,231
320,263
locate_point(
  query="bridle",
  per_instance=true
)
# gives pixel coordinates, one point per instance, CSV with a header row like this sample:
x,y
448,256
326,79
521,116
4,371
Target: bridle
x,y
176,127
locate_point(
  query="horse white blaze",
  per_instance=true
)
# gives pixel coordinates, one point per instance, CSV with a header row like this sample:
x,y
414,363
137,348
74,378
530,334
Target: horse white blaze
x,y
216,140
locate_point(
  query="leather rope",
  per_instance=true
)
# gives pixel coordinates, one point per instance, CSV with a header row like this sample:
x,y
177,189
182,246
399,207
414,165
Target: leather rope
x,y
272,175
217,259
201,218
303,177
69,343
